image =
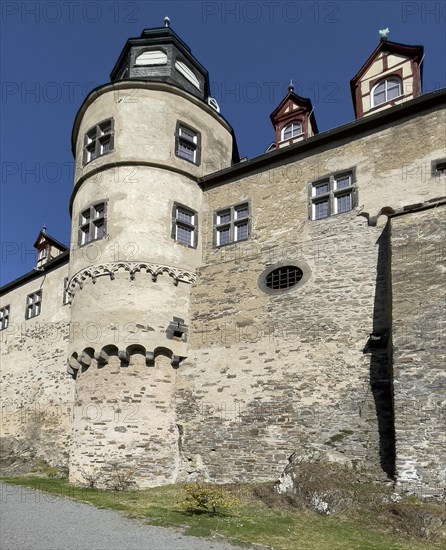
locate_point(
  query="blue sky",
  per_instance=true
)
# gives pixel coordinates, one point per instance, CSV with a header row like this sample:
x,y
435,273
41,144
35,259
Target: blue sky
x,y
54,53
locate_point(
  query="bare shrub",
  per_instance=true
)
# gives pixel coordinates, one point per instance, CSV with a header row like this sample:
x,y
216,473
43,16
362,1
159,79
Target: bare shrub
x,y
274,500
120,477
417,520
92,477
324,487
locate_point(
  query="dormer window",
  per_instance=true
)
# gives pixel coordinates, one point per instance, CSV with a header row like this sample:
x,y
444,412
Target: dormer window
x,y
379,82
187,73
154,57
386,90
291,130
42,254
47,248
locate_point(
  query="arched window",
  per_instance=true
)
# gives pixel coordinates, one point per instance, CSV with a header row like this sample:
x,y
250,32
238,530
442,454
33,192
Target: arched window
x,y
291,130
385,90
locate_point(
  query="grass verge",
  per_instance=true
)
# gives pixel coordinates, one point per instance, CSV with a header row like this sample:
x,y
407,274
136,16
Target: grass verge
x,y
268,522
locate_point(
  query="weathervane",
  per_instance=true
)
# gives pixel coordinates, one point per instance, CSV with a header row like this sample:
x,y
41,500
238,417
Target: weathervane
x,y
383,33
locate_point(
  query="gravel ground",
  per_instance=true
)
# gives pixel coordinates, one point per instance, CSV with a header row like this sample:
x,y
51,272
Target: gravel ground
x,y
33,520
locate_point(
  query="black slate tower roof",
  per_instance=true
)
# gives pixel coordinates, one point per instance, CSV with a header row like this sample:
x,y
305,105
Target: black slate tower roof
x,y
159,55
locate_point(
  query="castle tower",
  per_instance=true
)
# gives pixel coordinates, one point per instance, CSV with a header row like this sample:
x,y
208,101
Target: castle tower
x,y
140,144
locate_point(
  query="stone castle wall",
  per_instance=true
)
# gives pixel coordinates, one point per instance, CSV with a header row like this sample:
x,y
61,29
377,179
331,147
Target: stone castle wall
x,y
271,374
132,428
264,375
419,330
36,393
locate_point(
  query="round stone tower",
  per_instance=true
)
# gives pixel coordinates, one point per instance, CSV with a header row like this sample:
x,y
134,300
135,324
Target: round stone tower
x,y
141,143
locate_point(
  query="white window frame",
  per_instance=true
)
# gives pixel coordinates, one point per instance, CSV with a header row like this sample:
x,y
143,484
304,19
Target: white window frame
x,y
33,304
4,317
332,194
438,167
150,58
92,223
190,138
386,81
96,138
232,223
65,296
188,73
178,223
42,253
293,132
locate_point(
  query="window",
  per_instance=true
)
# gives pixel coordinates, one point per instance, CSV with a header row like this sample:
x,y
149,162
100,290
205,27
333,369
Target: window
x,y
283,277
154,57
4,317
231,224
333,195
33,304
92,223
184,225
439,167
99,140
177,330
187,73
42,254
65,298
291,130
187,143
385,90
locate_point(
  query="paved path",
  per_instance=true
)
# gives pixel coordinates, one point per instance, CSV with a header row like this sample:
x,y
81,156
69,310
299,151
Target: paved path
x,y
33,520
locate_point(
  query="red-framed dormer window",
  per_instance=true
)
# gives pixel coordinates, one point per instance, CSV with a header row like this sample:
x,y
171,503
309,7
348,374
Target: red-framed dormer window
x,y
386,89
291,130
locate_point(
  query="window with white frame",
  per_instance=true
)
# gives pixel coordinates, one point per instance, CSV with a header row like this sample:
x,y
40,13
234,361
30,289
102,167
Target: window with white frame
x,y
187,143
99,140
439,167
42,254
92,223
231,224
66,296
33,304
291,130
386,90
334,194
4,317
184,225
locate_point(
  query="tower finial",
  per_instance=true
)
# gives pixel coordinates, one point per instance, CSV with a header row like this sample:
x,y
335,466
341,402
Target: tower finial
x,y
383,33
44,228
291,86
167,21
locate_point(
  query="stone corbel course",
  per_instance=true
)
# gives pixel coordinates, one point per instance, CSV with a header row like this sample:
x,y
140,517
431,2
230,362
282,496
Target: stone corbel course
x,y
109,269
102,356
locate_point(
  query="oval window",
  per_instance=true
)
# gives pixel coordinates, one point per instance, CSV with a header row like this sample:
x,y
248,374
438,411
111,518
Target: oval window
x,y
283,277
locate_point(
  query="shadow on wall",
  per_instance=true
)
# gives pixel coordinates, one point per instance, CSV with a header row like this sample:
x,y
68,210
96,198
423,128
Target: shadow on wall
x,y
379,346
